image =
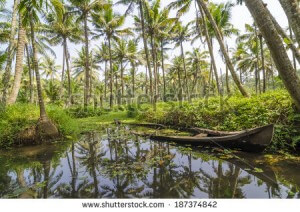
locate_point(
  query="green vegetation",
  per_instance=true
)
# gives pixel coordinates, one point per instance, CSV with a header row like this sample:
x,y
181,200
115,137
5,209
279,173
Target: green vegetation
x,y
97,122
18,117
235,113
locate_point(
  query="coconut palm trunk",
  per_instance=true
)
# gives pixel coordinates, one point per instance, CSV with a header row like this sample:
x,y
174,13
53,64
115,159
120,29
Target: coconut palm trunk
x,y
163,68
210,81
146,80
43,114
154,65
227,77
179,85
19,65
122,77
210,48
105,78
67,57
235,78
31,95
262,62
294,54
118,97
62,74
185,72
87,65
111,104
194,87
277,49
283,34
133,79
6,75
291,9
146,51
45,129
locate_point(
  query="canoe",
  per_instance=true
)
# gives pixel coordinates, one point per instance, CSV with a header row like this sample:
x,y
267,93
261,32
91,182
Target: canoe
x,y
252,140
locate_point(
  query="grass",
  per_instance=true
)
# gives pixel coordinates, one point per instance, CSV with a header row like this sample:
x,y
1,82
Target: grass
x,y
18,117
97,122
237,114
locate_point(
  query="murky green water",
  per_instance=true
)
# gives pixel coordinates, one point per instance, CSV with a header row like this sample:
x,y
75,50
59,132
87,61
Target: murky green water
x,y
115,164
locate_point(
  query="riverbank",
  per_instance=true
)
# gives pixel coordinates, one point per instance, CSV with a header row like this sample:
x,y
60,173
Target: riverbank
x,y
16,118
234,113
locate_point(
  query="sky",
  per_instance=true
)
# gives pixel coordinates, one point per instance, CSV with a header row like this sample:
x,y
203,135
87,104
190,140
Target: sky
x,y
240,16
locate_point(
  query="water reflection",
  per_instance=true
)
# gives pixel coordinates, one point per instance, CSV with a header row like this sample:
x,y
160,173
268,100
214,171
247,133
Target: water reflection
x,y
115,164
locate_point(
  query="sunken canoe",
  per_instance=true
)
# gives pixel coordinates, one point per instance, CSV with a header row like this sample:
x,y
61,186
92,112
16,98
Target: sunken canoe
x,y
252,140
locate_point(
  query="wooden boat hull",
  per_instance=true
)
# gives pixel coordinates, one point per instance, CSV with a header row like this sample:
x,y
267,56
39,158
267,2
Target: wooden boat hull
x,y
254,140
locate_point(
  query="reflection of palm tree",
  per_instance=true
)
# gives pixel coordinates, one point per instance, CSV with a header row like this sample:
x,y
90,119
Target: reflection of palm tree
x,y
73,191
123,185
225,184
22,184
50,178
190,178
91,152
167,180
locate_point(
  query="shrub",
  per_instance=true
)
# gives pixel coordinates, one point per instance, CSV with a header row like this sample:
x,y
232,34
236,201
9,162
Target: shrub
x,y
80,112
132,111
18,117
237,113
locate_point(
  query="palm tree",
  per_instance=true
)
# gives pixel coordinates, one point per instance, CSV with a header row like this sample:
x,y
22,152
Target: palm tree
x,y
120,49
29,66
222,15
19,64
203,5
197,60
141,5
108,23
158,26
4,31
277,49
9,57
49,68
177,68
84,8
60,32
134,60
249,60
291,9
246,60
102,55
211,51
79,69
29,10
183,34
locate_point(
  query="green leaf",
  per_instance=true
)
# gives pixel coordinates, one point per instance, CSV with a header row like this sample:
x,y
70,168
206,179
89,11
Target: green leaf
x,y
258,170
287,41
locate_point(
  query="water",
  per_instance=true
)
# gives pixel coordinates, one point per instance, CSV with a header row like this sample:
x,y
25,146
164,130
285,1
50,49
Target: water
x,y
115,164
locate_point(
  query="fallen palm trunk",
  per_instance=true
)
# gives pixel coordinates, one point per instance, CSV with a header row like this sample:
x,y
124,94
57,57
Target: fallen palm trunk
x,y
253,140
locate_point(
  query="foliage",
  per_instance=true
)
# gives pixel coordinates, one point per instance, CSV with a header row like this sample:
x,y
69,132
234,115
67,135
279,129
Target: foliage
x,y
18,117
236,113
132,111
80,112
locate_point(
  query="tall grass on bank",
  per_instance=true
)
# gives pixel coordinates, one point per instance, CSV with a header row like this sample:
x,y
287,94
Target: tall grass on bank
x,y
18,117
236,113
